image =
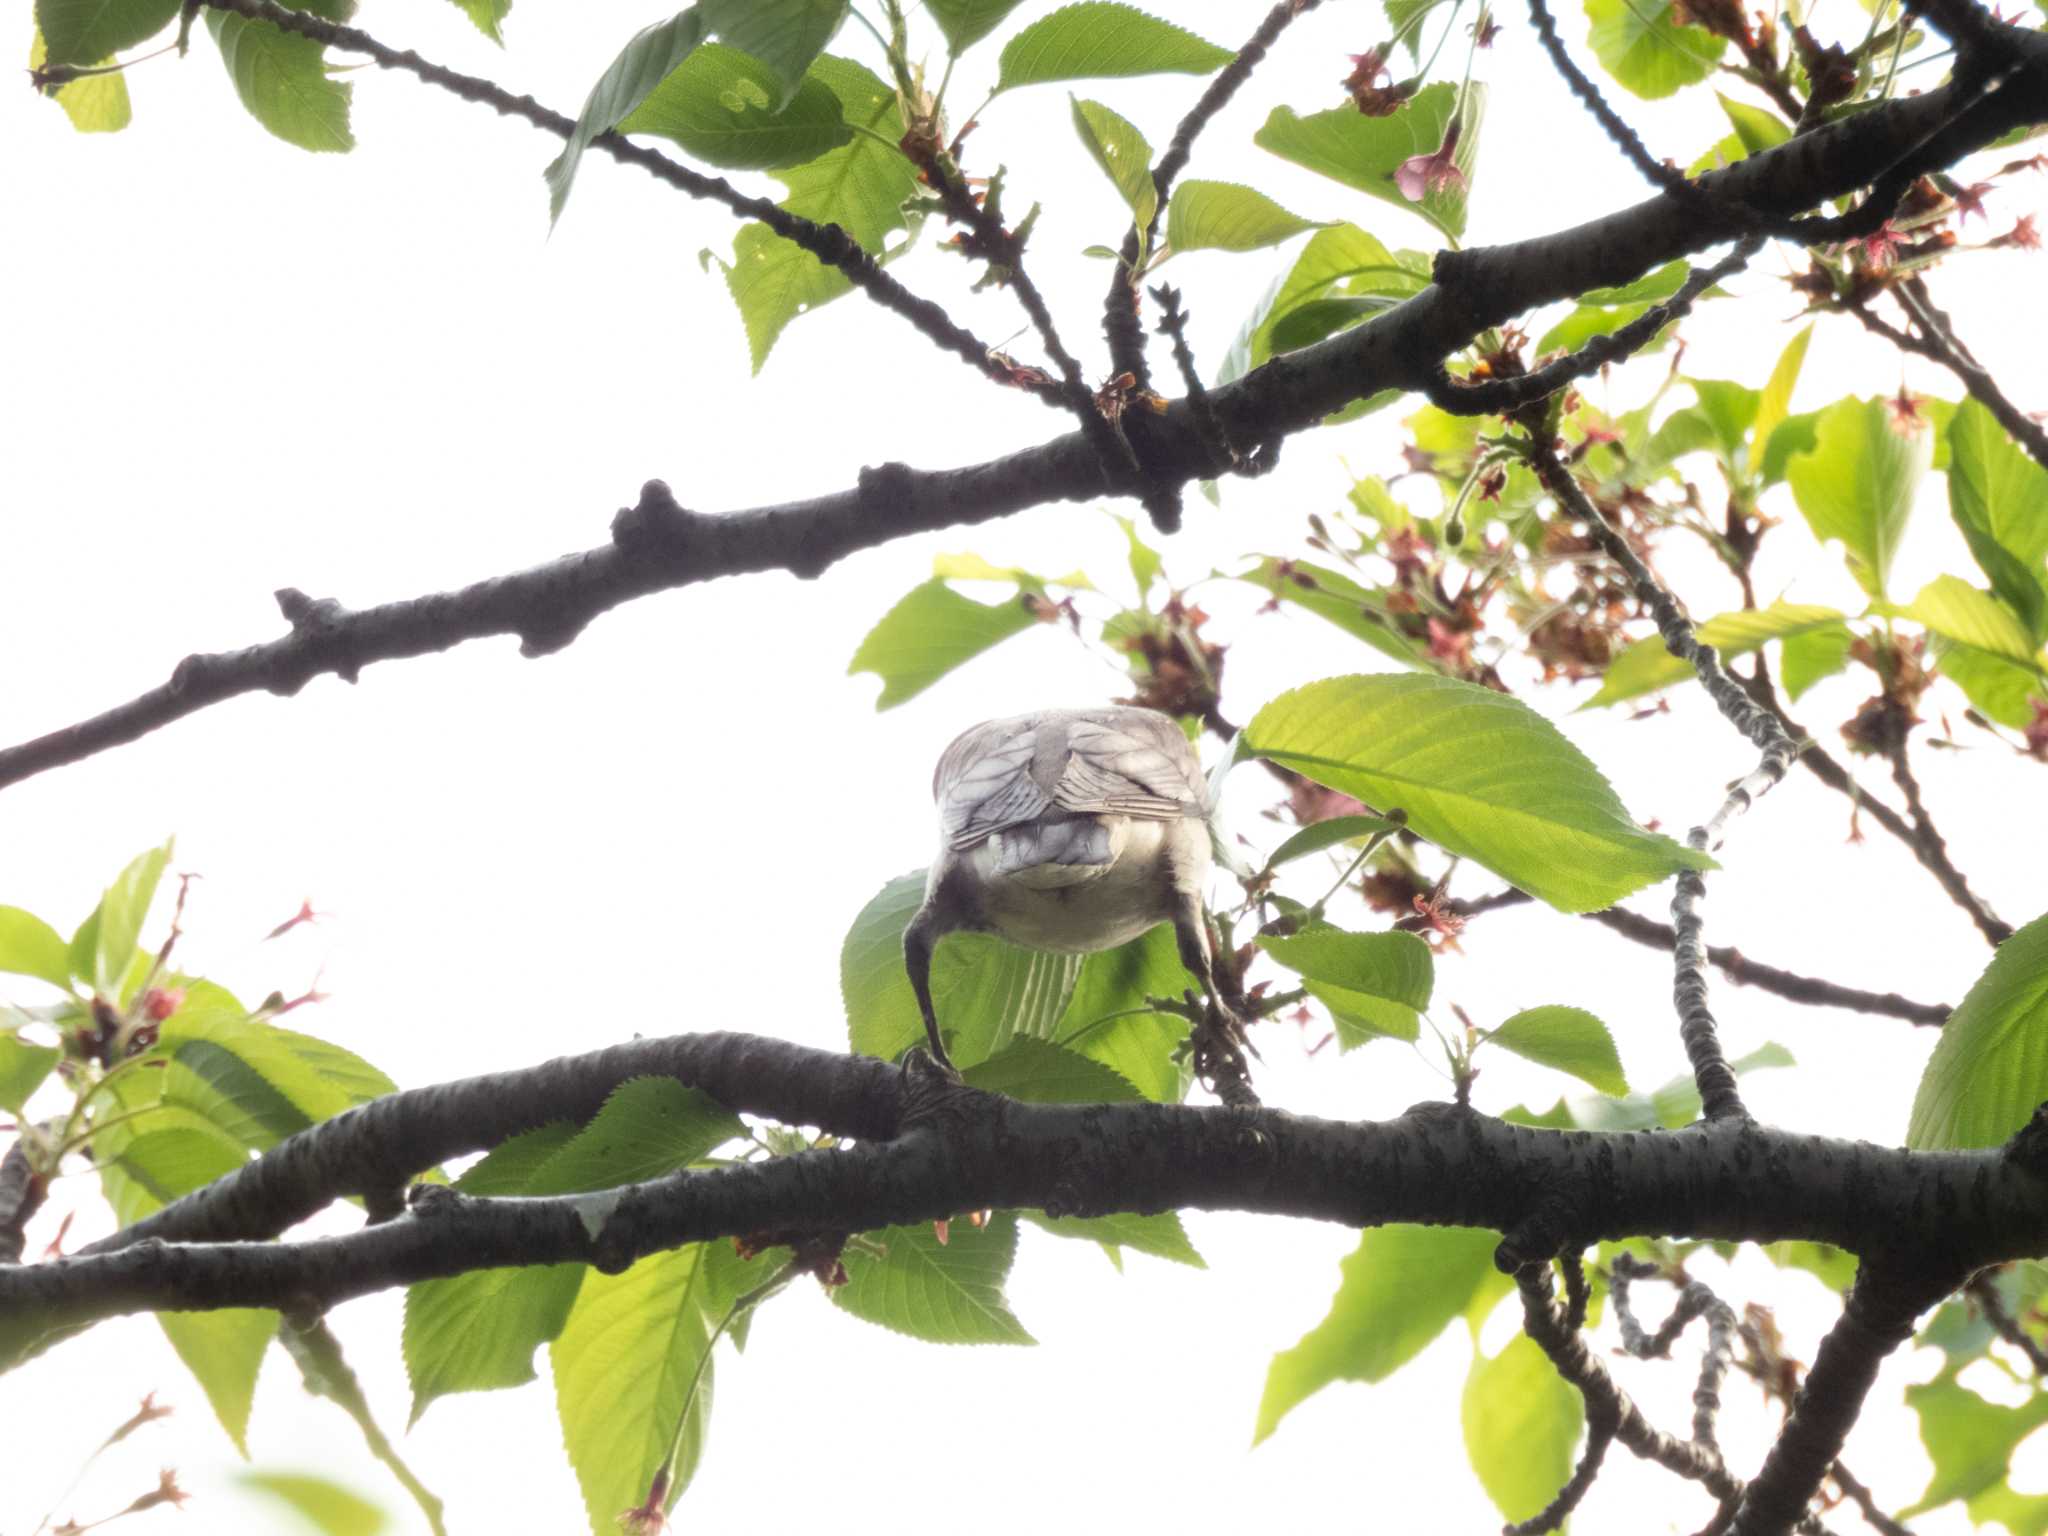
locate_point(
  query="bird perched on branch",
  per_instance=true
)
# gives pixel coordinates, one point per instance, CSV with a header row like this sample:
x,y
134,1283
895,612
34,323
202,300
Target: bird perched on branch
x,y
1073,830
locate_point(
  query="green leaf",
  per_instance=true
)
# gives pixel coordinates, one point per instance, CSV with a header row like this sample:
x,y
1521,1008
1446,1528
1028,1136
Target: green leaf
x,y
1326,834
1649,53
1105,1018
1569,1039
1673,1106
478,1331
986,991
1095,40
475,1332
1652,287
1998,496
31,947
1123,154
488,17
1857,485
1145,560
633,1378
861,186
1335,597
1043,1073
1758,130
22,1069
1990,1066
1398,1290
282,79
87,31
1160,1234
720,105
1374,984
326,1506
1522,1421
1834,1267
929,632
785,35
653,54
224,1351
1364,152
1952,608
104,945
161,1163
1730,409
2000,689
946,1293
1223,216
1647,666
1342,253
1790,438
94,103
1776,398
1807,658
1404,17
1971,1441
1479,774
967,22
1586,321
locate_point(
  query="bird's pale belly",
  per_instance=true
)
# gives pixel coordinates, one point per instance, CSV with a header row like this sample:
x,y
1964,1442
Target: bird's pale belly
x,y
1076,908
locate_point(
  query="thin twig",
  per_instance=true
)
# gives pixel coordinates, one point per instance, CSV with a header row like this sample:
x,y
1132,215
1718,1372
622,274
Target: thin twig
x,y
1933,857
1719,1095
1120,308
1929,841
1467,398
828,242
1983,1290
1934,339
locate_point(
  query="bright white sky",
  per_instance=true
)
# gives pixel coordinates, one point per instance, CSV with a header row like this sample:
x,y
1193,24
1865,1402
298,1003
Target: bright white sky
x,y
239,367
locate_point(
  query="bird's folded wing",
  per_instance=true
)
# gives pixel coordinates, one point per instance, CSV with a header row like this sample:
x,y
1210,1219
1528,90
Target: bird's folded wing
x,y
984,784
1141,765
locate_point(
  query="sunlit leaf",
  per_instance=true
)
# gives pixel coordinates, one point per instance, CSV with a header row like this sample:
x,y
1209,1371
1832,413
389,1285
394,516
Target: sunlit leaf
x,y
283,80
1857,484
94,103
861,186
1223,216
1647,665
946,1293
1364,152
1374,984
633,1378
1160,1234
1998,496
1990,1066
1647,51
31,947
1522,1421
720,105
1123,154
785,35
1479,774
1398,1291
1097,39
1951,607
328,1507
967,22
1569,1039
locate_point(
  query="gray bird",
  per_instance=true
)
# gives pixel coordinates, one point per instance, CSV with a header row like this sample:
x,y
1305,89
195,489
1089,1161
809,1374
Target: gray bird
x,y
1071,830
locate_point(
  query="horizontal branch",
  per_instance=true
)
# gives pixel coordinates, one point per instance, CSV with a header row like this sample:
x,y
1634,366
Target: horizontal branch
x,y
657,545
931,1148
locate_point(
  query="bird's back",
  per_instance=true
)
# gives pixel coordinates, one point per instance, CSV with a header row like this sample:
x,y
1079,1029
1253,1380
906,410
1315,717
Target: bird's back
x,y
1114,760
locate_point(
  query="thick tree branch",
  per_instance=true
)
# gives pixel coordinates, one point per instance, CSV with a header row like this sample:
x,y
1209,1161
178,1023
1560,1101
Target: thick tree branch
x,y
928,1148
1877,1317
657,546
